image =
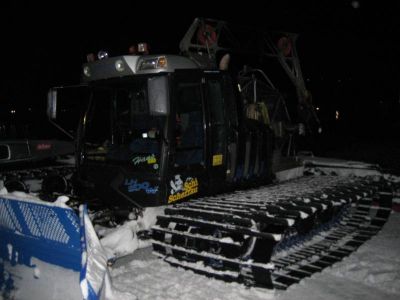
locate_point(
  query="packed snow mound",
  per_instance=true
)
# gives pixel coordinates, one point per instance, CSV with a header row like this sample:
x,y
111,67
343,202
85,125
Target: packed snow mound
x,y
124,240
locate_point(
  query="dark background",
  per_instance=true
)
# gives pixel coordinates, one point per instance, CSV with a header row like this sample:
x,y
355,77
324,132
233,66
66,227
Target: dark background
x,y
349,53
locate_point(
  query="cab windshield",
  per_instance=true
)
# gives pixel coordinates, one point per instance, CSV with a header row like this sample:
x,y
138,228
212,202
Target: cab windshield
x,y
122,128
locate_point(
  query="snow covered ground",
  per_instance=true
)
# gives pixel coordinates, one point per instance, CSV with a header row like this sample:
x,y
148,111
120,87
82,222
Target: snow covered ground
x,y
44,281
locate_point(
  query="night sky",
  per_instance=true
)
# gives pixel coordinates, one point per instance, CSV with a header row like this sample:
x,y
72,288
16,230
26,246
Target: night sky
x,y
349,50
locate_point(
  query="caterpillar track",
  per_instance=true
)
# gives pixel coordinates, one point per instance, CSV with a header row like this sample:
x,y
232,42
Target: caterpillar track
x,y
274,236
54,178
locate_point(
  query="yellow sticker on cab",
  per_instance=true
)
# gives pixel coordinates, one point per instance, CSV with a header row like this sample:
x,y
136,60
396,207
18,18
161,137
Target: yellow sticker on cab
x,y
217,160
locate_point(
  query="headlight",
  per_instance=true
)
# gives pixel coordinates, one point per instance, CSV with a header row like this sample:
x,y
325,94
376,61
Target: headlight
x,y
86,71
119,65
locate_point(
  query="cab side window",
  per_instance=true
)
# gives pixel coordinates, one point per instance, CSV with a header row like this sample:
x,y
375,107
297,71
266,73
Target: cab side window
x,y
98,128
189,126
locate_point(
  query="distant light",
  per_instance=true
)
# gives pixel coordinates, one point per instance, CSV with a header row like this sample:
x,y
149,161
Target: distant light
x,y
144,135
317,108
355,4
337,115
12,111
29,109
308,79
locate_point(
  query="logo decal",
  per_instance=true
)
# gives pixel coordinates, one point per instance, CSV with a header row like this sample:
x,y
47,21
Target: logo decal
x,y
181,189
151,159
134,186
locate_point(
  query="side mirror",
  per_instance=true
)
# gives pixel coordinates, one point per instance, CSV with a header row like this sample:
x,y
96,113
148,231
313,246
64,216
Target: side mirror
x,y
52,103
157,91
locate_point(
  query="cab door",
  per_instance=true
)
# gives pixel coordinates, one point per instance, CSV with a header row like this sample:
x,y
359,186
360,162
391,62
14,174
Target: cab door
x,y
187,172
216,130
95,132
